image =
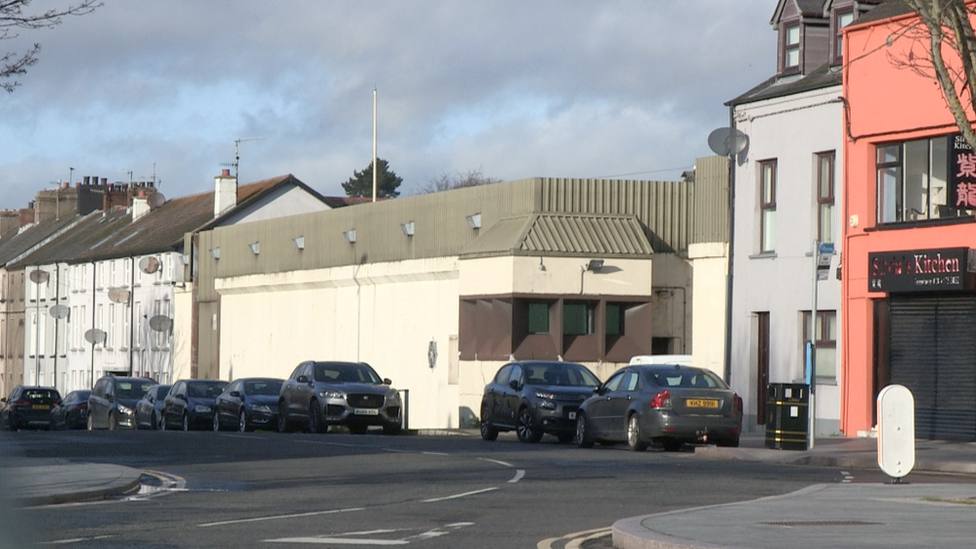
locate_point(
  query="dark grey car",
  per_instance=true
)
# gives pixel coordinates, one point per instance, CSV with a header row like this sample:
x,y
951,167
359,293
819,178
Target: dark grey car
x,y
319,394
666,404
535,397
149,410
28,407
112,402
190,404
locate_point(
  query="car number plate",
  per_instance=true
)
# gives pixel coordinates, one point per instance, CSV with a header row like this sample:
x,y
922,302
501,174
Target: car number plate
x,y
40,407
701,403
367,412
572,415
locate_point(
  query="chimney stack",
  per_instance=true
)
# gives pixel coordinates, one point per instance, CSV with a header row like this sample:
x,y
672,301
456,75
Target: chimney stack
x,y
225,192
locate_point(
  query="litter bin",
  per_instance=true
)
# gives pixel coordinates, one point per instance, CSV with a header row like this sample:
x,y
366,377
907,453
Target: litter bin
x,y
787,408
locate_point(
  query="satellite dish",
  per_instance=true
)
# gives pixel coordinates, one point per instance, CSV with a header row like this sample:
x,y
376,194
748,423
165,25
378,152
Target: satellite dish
x,y
119,295
160,323
156,200
94,336
727,141
149,264
60,311
38,276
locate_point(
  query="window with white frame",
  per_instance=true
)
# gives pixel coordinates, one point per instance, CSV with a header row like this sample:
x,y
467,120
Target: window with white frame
x,y
841,20
791,47
767,206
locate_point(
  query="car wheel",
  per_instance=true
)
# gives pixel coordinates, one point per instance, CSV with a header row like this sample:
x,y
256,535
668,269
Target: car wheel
x,y
358,429
186,422
91,423
488,431
284,426
216,421
523,427
315,422
634,434
583,439
671,445
153,421
113,422
242,422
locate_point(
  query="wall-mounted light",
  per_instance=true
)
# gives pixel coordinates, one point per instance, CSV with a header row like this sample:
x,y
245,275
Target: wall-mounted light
x,y
215,253
350,236
594,265
299,242
407,228
474,220
255,247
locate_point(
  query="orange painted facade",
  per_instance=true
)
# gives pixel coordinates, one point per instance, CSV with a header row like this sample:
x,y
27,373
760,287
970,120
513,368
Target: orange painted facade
x,y
885,103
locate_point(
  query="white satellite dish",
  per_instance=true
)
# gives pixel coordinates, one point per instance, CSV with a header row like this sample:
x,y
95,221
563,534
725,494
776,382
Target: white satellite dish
x,y
160,323
95,335
727,141
119,295
60,312
156,200
149,264
38,276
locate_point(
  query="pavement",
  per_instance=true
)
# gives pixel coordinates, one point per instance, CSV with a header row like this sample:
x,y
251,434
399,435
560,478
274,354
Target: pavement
x,y
844,515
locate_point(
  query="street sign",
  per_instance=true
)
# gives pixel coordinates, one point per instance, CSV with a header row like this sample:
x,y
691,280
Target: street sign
x,y
824,252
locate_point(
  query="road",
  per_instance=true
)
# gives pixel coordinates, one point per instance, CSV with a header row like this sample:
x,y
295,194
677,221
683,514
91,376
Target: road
x,y
270,490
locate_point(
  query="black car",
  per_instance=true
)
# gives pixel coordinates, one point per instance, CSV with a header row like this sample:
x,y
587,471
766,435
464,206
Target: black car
x,y
190,404
149,409
247,404
28,407
319,394
72,413
534,398
668,405
112,402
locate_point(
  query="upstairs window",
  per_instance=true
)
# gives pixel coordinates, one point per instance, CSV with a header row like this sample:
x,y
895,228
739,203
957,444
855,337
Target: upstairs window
x,y
841,20
825,197
767,206
924,180
791,48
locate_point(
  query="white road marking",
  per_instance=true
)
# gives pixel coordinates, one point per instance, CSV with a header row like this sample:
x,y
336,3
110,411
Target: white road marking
x,y
497,461
71,541
339,541
576,539
280,517
434,454
456,496
518,476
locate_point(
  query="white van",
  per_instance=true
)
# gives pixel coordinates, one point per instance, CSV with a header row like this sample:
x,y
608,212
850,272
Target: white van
x,y
681,360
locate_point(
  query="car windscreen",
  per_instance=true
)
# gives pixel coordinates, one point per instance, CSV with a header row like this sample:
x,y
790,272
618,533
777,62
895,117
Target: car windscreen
x,y
204,390
688,379
41,395
131,390
268,388
564,375
345,373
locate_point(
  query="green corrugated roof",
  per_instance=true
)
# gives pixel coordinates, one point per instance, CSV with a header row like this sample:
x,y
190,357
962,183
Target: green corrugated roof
x,y
547,234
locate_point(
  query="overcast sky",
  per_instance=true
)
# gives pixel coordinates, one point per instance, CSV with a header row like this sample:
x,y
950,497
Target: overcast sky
x,y
515,89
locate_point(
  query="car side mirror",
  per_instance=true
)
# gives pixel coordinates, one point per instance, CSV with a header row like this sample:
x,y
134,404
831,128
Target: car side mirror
x,y
236,394
514,384
387,381
303,379
599,390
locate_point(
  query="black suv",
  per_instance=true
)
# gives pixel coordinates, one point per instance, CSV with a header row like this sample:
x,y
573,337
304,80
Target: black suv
x,y
534,398
319,394
112,402
28,407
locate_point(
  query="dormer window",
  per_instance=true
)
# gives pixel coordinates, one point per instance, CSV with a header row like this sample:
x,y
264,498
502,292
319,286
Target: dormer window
x,y
841,20
791,49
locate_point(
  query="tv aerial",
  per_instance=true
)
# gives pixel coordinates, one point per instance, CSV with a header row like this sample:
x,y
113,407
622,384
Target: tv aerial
x,y
237,156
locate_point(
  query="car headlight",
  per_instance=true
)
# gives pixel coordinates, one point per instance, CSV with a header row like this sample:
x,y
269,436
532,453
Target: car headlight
x,y
546,400
332,394
125,410
393,395
202,409
261,408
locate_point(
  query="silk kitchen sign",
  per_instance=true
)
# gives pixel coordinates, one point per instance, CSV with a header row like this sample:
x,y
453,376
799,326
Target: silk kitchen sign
x,y
921,270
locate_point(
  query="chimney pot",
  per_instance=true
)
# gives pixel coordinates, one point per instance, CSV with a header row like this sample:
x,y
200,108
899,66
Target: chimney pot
x,y
225,172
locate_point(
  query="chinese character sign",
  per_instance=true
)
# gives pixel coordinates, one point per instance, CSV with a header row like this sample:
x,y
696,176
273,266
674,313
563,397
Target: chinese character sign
x,y
962,170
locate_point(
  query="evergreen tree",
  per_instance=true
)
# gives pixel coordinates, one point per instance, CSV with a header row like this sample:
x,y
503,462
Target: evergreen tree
x,y
361,183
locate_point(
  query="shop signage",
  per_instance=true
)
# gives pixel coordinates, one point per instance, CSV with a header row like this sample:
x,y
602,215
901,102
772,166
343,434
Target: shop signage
x,y
919,270
962,173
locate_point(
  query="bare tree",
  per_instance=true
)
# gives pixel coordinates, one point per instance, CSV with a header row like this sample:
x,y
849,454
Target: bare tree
x,y
946,28
445,182
15,15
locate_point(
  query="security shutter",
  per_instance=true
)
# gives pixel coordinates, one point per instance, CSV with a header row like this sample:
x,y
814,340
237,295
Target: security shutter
x,y
933,353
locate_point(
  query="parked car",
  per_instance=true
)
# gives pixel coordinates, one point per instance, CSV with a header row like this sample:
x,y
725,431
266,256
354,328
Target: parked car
x,y
28,407
72,412
149,409
190,403
668,405
534,398
320,394
247,404
112,402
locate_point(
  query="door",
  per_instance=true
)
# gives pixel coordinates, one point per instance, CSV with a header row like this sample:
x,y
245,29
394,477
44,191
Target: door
x,y
762,365
508,397
600,409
